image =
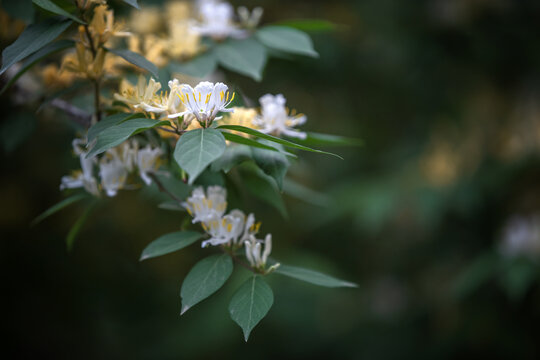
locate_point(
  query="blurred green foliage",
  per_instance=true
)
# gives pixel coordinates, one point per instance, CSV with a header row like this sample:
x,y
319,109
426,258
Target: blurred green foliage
x,y
445,95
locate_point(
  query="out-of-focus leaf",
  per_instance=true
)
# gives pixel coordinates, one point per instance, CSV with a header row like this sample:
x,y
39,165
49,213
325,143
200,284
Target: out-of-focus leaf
x,y
20,9
517,276
15,129
232,156
250,142
76,228
55,9
312,277
204,279
196,149
33,38
210,178
108,122
198,67
171,205
246,57
286,39
36,57
476,274
132,3
309,25
273,164
262,187
274,139
169,243
300,191
329,140
59,206
250,304
137,60
117,134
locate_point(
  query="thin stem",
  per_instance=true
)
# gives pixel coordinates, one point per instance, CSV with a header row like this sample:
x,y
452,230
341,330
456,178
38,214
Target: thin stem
x,y
239,261
97,103
162,188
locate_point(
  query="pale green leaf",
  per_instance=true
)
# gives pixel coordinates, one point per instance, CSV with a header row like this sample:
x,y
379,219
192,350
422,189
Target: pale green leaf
x,y
273,163
196,149
198,67
204,279
250,304
286,39
108,122
169,243
262,187
55,9
172,205
312,25
246,57
329,140
137,60
33,38
312,277
117,134
277,140
232,156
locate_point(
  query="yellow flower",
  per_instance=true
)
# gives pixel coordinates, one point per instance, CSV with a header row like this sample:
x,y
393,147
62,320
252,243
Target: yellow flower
x,y
147,20
182,41
177,11
241,116
141,93
151,47
102,25
83,63
53,77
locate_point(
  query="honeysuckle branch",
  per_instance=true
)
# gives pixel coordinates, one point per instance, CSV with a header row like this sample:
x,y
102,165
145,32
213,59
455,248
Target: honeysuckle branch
x,y
162,188
78,115
239,261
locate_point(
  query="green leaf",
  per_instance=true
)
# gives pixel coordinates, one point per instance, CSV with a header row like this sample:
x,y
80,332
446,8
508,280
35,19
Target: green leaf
x,y
263,187
250,142
517,277
57,207
198,148
313,25
108,122
312,277
204,279
246,57
329,140
137,60
76,228
475,274
232,156
302,192
20,9
172,205
250,304
273,164
33,38
117,134
198,67
16,127
132,3
274,139
36,57
169,243
55,9
286,39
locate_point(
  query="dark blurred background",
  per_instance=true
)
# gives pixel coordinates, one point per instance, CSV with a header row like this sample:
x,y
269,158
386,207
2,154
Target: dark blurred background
x,y
436,217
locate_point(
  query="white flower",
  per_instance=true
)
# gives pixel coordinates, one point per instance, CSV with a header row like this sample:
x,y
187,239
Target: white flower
x,y
113,173
521,237
148,162
206,207
217,21
250,20
275,119
167,103
84,177
205,101
223,230
254,247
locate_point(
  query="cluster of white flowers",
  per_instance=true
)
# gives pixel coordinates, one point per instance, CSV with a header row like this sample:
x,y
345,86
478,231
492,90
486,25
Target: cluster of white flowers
x,y
521,237
275,118
217,20
114,167
234,229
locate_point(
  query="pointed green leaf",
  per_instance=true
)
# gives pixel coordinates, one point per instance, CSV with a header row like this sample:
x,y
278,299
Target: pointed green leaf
x,y
108,122
76,228
169,243
196,149
232,156
33,38
198,67
246,57
313,25
329,140
59,206
250,142
273,164
117,134
251,303
262,187
286,39
204,279
55,9
38,56
171,205
312,277
132,3
137,60
284,142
